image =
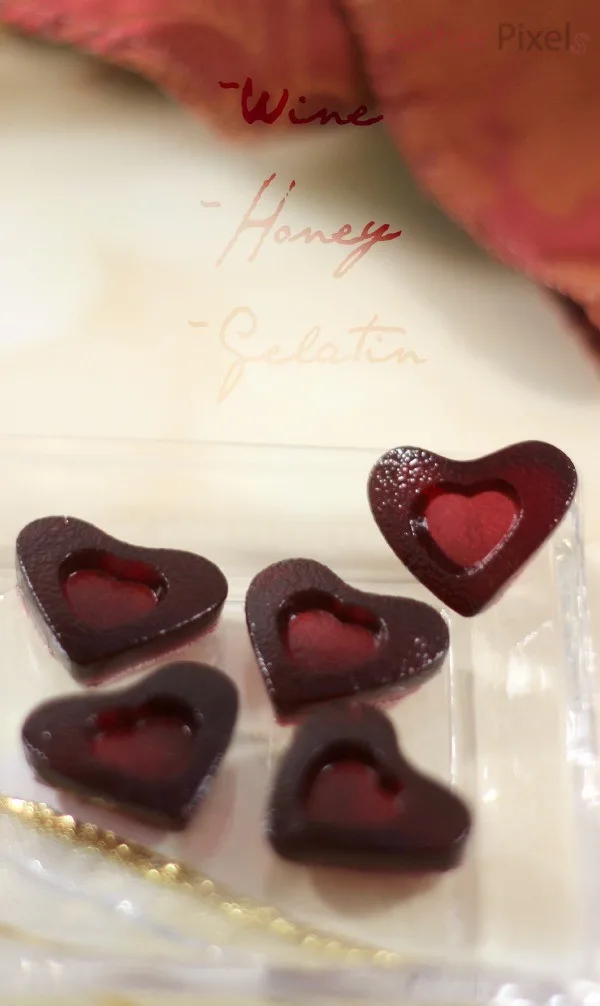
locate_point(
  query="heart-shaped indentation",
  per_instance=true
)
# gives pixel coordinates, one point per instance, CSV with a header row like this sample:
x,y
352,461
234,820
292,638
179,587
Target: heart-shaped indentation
x,y
104,604
152,741
352,794
321,633
316,638
149,750
468,527
104,591
345,796
465,528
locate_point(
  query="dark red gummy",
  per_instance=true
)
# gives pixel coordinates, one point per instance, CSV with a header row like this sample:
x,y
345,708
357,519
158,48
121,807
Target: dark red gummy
x,y
466,528
345,796
149,750
316,638
104,604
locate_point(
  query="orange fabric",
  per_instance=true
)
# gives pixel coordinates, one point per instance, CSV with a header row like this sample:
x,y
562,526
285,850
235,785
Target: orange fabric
x,y
187,46
505,138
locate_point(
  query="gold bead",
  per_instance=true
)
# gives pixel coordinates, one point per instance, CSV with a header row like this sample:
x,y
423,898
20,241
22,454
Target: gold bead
x,y
283,928
333,948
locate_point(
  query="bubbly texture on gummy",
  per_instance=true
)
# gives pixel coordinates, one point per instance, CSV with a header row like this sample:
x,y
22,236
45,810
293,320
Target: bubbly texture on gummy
x,y
466,528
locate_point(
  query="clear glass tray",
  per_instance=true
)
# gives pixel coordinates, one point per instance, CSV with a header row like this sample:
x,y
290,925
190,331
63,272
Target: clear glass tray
x,y
509,722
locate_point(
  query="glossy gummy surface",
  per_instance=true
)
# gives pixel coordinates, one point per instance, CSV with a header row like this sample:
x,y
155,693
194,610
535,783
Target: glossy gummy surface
x,y
316,638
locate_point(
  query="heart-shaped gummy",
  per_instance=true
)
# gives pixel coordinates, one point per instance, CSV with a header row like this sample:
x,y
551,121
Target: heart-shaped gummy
x,y
345,796
104,604
316,638
150,750
465,528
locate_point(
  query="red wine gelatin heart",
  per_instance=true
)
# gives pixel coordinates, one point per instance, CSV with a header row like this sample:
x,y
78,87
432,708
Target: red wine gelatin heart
x,y
104,604
345,796
316,638
465,528
149,750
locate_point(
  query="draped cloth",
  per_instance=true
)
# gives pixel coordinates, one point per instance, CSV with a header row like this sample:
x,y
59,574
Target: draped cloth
x,y
495,106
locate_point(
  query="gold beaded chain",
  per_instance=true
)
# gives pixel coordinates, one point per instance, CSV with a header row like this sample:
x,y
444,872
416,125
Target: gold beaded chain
x,y
158,869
